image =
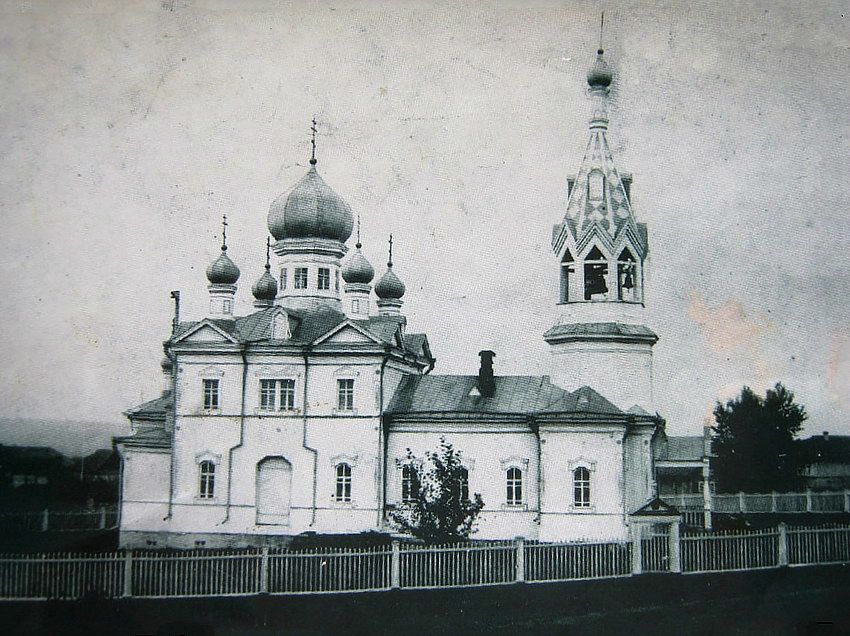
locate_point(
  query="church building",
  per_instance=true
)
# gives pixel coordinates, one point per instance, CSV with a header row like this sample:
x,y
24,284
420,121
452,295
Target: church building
x,y
297,417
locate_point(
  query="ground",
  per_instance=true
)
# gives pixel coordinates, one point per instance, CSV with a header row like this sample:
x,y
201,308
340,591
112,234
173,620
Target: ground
x,y
810,600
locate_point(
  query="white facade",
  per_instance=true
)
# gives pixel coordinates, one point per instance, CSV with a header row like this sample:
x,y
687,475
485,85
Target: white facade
x,y
298,418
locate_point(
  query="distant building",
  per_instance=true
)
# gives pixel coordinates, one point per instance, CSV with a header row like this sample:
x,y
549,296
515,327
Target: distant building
x,y
825,461
297,417
683,464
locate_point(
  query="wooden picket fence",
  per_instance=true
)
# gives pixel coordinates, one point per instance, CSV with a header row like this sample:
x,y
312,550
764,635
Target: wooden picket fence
x,y
155,574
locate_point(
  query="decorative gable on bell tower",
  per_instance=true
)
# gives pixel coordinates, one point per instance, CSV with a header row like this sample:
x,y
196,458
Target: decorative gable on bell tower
x,y
600,339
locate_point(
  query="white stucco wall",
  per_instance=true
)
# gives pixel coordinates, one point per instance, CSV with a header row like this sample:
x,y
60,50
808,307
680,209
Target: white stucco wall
x,y
600,451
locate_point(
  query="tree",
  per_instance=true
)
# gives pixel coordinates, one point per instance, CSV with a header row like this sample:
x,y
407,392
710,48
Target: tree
x,y
438,508
754,441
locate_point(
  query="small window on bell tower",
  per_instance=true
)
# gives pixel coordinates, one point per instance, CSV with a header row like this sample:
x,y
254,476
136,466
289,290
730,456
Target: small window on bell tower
x,y
596,275
596,186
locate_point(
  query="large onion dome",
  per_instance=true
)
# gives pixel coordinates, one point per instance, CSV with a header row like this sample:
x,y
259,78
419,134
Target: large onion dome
x,y
357,269
389,285
599,76
311,210
223,271
266,286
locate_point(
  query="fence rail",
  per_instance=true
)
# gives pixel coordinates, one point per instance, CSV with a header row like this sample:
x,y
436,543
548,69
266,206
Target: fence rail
x,y
149,574
762,503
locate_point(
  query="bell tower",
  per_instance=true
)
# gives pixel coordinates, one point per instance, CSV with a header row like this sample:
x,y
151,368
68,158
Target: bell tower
x,y
600,339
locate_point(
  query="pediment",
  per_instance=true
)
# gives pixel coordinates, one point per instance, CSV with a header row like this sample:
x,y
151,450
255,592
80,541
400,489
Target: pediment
x,y
206,331
347,332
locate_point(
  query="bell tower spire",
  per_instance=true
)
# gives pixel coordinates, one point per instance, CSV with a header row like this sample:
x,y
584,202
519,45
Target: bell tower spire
x,y
602,254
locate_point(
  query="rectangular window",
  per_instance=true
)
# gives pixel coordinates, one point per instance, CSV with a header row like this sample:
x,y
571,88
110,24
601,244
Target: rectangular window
x,y
337,280
268,392
283,278
324,280
206,488
300,278
345,394
287,395
581,487
463,475
355,306
409,484
211,395
514,487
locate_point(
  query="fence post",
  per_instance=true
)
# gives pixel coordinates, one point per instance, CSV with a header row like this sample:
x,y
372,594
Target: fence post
x,y
782,545
741,505
773,501
808,500
846,500
520,560
674,548
45,516
637,549
395,566
127,591
264,570
102,517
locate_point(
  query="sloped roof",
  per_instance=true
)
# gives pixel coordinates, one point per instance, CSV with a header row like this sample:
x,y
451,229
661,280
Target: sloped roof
x,y
521,395
310,324
152,409
156,437
688,448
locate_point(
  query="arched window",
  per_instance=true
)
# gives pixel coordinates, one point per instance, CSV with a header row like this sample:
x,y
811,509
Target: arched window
x,y
627,283
514,487
409,483
206,485
343,482
567,277
581,487
463,478
595,275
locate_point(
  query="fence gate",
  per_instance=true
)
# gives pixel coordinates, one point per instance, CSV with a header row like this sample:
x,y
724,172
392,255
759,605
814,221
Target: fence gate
x,y
655,530
655,547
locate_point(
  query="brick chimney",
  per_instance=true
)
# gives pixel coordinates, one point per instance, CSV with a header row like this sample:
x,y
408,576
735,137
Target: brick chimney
x,y
486,381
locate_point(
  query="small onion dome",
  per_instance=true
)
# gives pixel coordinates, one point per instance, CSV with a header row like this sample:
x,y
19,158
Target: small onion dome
x,y
389,286
167,365
599,76
311,210
223,271
357,269
266,287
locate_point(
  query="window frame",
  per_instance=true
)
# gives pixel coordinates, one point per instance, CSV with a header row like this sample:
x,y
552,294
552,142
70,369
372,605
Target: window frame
x,y
343,483
514,490
582,488
345,395
283,277
211,394
411,483
206,480
323,278
301,278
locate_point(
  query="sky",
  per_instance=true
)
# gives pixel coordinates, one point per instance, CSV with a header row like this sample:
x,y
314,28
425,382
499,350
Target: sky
x,y
128,128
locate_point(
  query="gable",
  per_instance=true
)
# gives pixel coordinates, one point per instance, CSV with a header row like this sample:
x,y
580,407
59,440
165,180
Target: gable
x,y
348,334
206,333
